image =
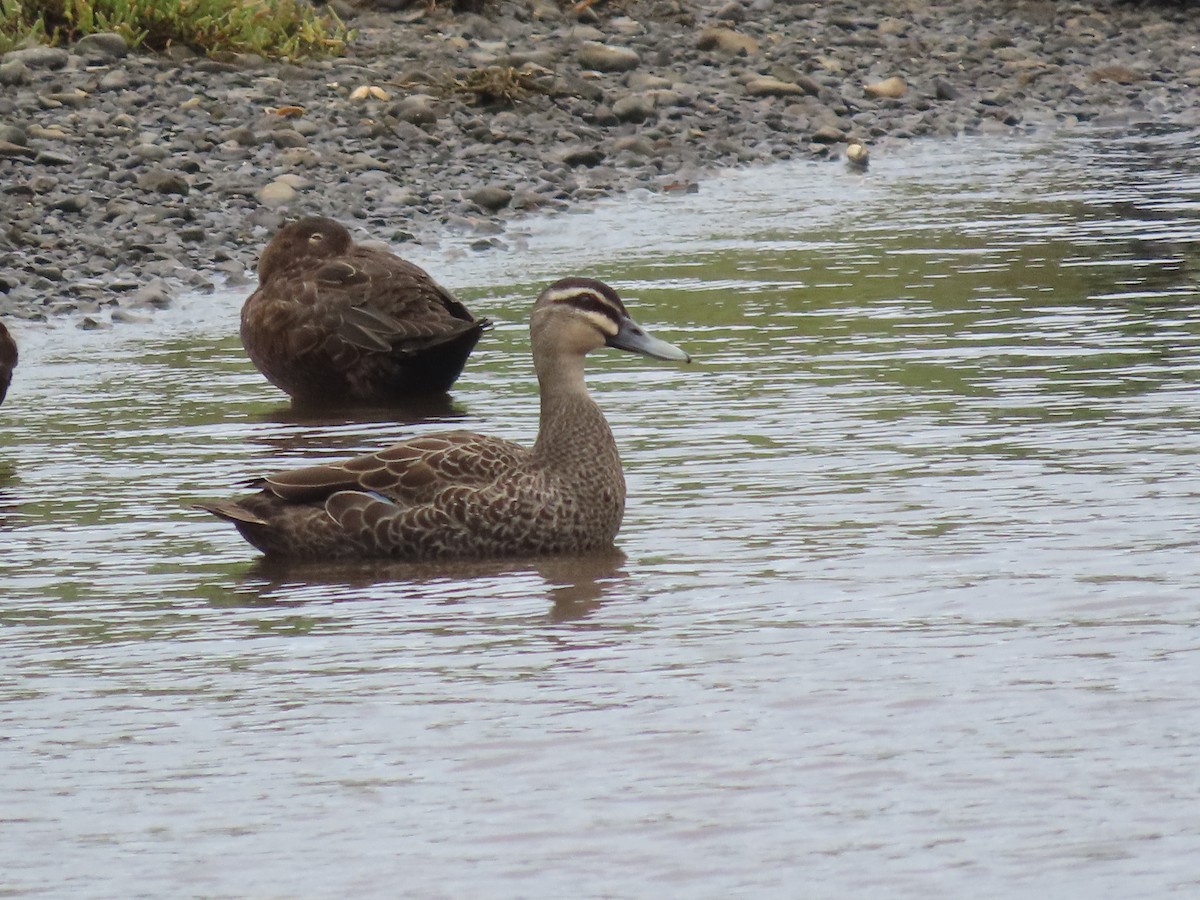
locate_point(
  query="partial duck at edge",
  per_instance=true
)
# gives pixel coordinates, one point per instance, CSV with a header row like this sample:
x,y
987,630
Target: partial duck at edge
x,y
8,360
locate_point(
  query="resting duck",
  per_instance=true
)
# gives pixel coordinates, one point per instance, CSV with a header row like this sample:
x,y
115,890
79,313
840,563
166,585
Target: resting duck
x,y
8,360
333,322
460,494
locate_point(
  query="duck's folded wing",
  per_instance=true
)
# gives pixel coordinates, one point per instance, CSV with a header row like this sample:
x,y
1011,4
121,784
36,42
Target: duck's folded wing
x,y
384,527
490,518
311,483
370,328
385,302
408,473
454,457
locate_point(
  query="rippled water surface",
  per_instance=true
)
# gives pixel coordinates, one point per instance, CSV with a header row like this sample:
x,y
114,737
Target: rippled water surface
x,y
906,603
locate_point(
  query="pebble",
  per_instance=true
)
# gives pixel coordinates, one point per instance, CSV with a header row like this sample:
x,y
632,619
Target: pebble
x,y
150,151
828,134
894,88
126,317
114,80
163,182
581,155
54,158
243,136
10,149
857,157
14,73
288,138
276,194
299,158
416,109
773,87
155,293
944,90
606,57
637,144
39,57
491,197
646,81
102,46
365,161
72,203
726,40
634,108
732,12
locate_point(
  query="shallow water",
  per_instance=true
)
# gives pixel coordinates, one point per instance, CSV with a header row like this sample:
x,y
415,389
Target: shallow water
x,y
906,601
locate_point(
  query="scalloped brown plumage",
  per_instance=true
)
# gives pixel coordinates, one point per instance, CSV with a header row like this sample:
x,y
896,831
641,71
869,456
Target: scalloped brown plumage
x,y
8,360
460,494
335,322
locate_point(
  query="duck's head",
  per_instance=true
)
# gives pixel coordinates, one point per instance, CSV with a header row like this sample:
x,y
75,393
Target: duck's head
x,y
309,239
578,315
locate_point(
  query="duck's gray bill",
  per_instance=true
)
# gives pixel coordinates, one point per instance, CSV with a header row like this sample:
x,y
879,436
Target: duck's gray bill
x,y
634,338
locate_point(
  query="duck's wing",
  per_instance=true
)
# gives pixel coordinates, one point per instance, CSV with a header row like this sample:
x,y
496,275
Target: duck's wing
x,y
433,491
488,519
384,303
409,473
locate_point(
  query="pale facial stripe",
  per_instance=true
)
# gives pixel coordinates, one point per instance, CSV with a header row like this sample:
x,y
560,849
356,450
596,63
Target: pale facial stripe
x,y
604,311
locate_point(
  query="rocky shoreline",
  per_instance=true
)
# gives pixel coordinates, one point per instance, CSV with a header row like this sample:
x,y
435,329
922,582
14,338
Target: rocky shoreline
x,y
126,178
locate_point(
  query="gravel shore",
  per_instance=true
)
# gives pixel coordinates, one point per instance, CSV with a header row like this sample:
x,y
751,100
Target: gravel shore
x,y
126,178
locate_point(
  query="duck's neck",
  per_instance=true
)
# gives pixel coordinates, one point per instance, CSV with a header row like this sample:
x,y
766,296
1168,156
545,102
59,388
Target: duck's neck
x,y
572,432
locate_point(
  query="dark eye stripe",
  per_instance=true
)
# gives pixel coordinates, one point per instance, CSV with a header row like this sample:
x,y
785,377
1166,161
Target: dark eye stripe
x,y
590,302
567,290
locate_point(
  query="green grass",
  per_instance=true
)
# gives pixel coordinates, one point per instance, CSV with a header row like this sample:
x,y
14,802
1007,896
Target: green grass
x,y
285,29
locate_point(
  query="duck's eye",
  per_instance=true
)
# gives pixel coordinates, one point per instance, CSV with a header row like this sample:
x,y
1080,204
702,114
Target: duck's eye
x,y
316,237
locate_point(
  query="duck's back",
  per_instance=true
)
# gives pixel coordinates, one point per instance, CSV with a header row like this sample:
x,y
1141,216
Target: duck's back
x,y
365,326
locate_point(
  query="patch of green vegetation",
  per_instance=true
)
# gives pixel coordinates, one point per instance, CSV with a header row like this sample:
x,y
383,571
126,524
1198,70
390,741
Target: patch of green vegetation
x,y
17,29
288,29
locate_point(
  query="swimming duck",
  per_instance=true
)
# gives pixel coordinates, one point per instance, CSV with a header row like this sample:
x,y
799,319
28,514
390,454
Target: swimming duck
x,y
335,322
8,360
461,494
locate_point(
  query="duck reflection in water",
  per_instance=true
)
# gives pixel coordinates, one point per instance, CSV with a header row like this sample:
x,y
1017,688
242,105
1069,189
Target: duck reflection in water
x,y
336,428
575,586
414,411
